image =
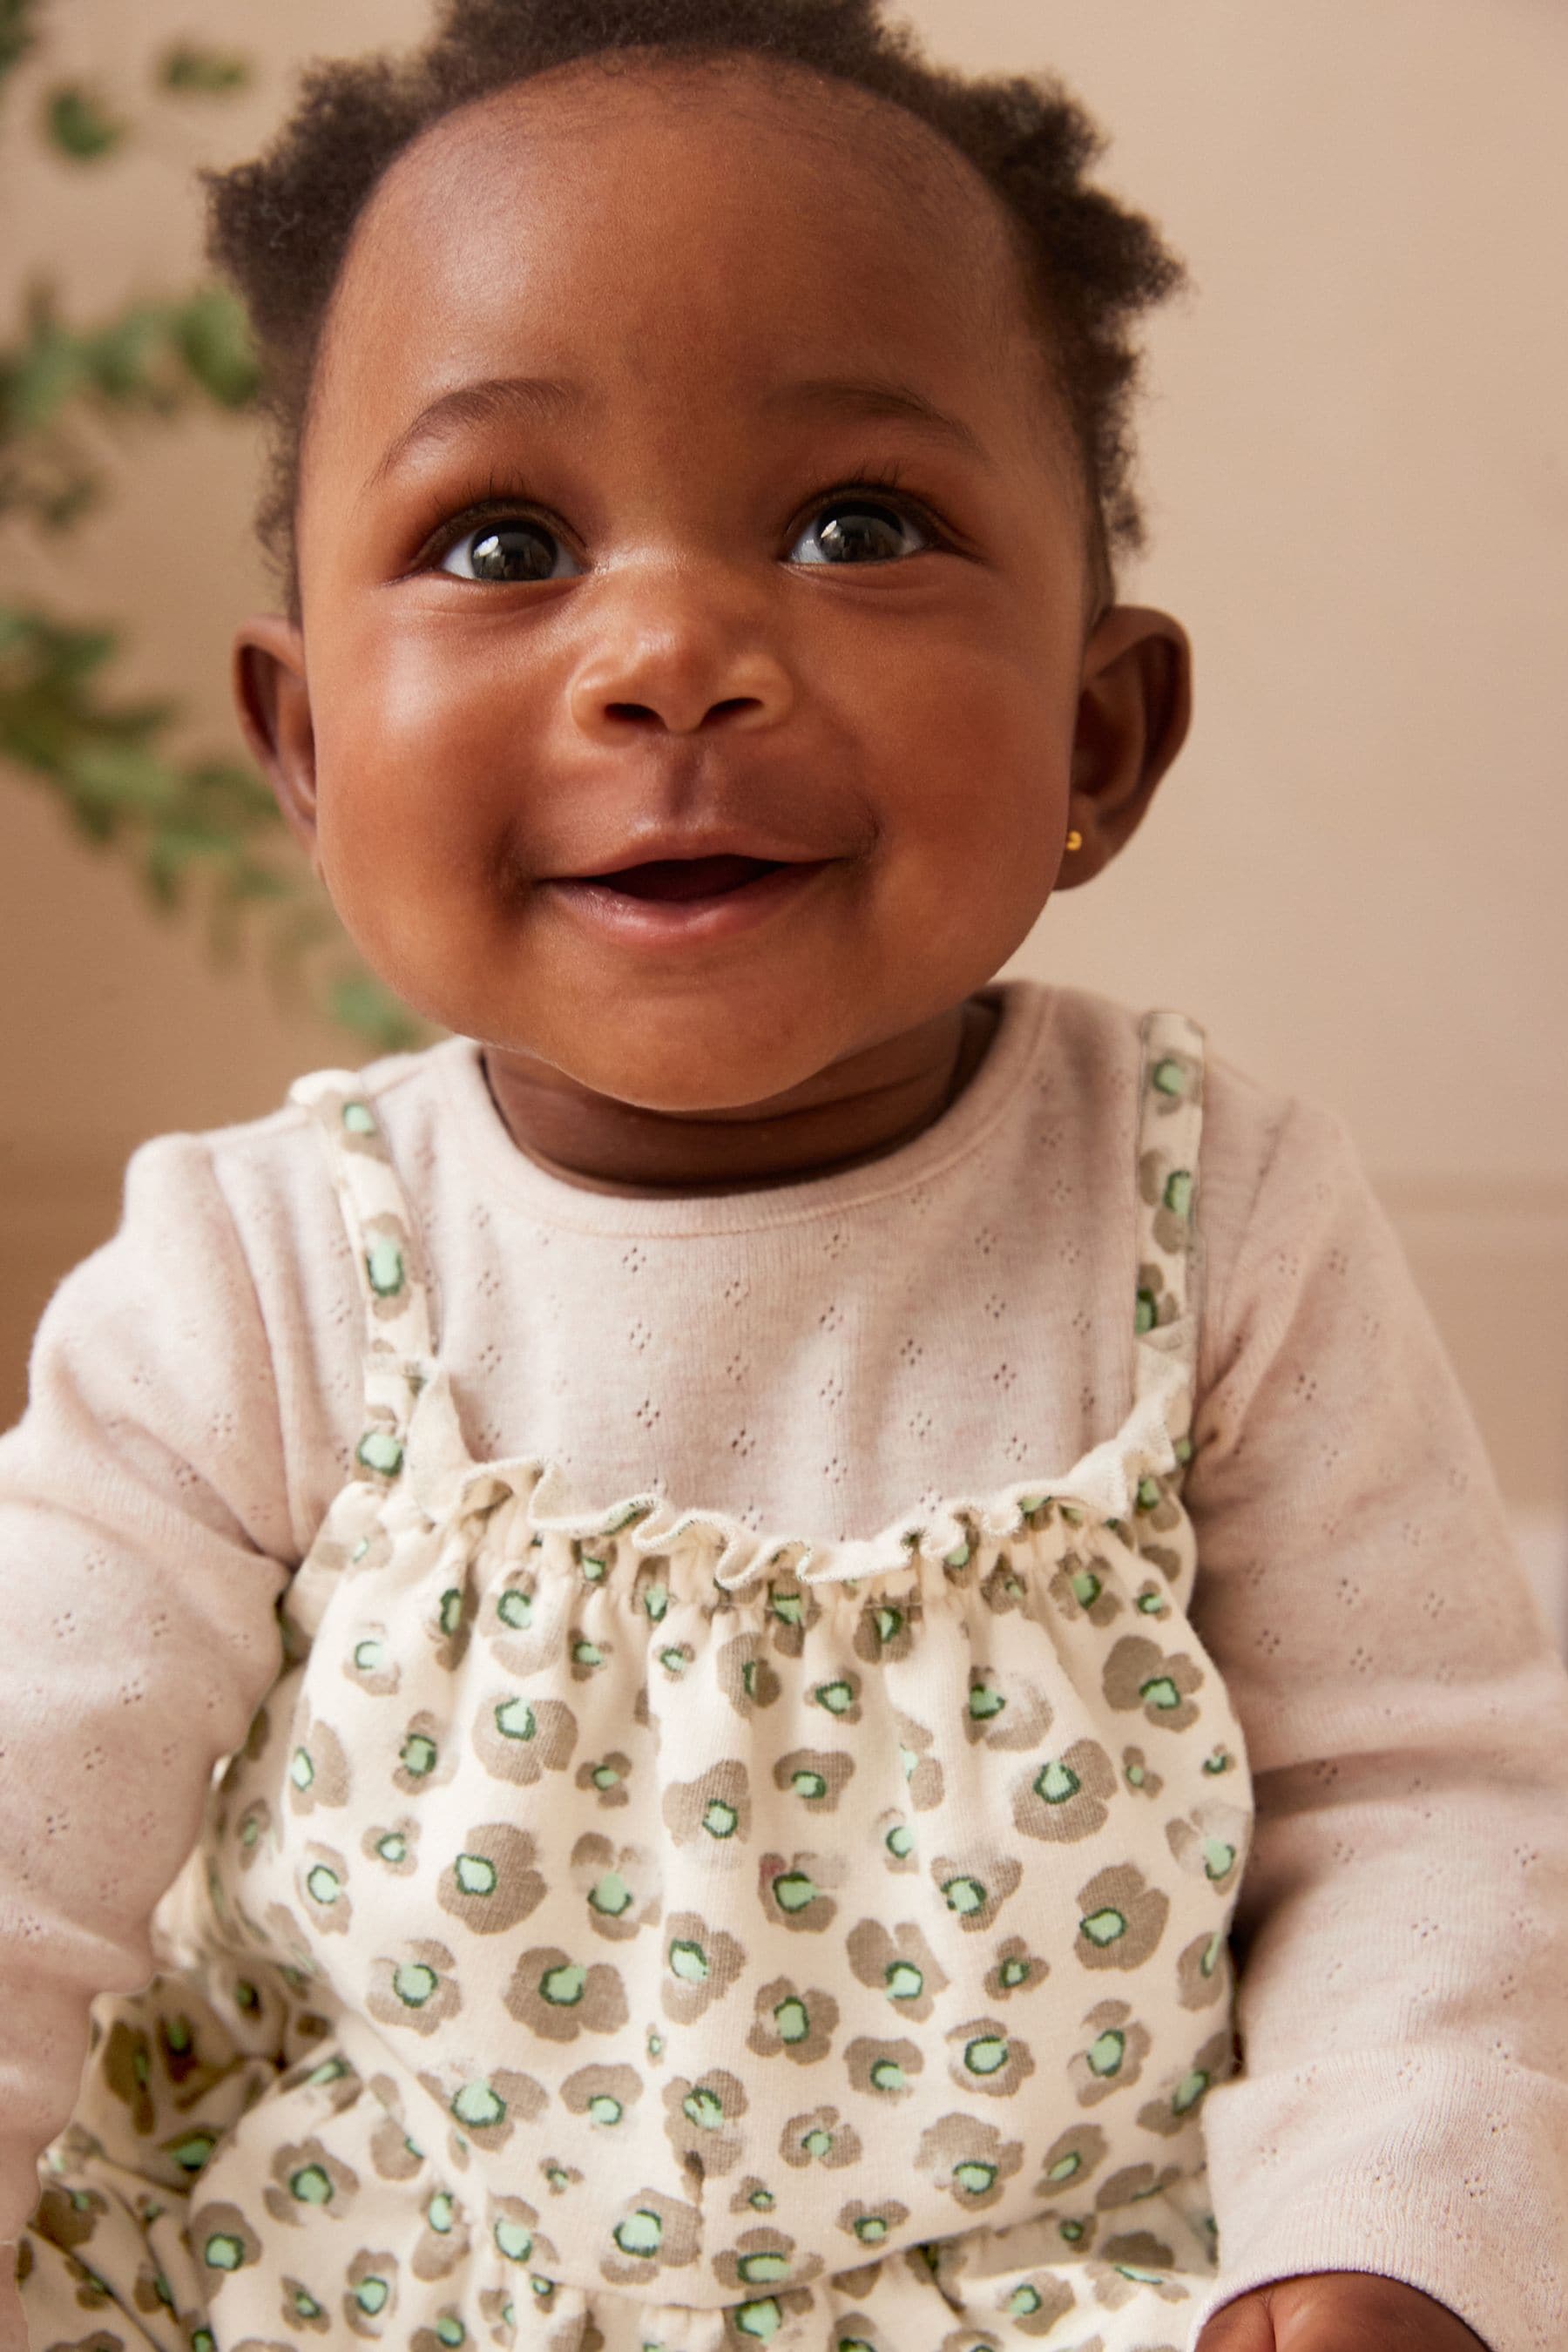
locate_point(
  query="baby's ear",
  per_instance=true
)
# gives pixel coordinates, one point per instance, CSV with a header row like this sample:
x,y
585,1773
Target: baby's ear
x,y
274,705
1135,704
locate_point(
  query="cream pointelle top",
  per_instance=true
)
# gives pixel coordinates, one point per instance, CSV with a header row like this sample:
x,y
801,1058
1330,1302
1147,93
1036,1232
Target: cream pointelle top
x,y
804,1359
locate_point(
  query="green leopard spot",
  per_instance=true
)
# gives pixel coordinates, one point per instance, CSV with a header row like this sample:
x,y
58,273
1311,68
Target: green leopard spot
x,y
514,1719
478,2106
1160,1691
515,1609
301,1771
1210,1962
1150,1605
357,1118
761,2200
370,2295
393,1847
1014,1972
1148,1494
641,2233
1103,1927
1168,1078
1106,2052
765,2268
1087,1588
689,1961
563,1987
1056,1782
656,2045
1065,2166
889,1624
331,2070
222,2252
794,1890
761,2319
809,1784
588,1654
1137,1775
985,1702
593,1567
870,2229
787,1608
886,2074
673,1661
1218,1857
854,2344
1218,1762
901,1840
818,2143
904,1980
604,2110
1189,2090
515,2242
964,1895
974,2178
703,2109
204,2340
611,1896
322,1886
986,2054
305,2304
368,1654
383,1264
909,1757
957,1558
439,2212
604,1776
413,1984
178,2036
475,1875
1178,1193
249,1831
449,1615
417,1754
655,1601
451,2331
1071,2231
1182,1450
378,1449
1023,2300
1145,2278
838,1698
791,2018
749,1677
191,2154
1144,1313
310,2186
720,1819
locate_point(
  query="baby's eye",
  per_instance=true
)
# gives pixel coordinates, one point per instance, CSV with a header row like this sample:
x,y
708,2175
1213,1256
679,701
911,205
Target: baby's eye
x,y
512,548
860,531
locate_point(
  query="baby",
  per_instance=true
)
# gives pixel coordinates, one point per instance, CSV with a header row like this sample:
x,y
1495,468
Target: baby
x,y
788,1646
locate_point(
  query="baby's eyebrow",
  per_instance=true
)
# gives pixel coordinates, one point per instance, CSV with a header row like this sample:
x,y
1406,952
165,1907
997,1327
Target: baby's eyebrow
x,y
549,399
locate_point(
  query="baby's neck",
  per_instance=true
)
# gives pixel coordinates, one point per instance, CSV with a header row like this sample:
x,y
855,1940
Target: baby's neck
x,y
604,1145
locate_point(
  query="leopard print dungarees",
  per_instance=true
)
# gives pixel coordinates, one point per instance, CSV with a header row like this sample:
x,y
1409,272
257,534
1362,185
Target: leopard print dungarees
x,y
614,1938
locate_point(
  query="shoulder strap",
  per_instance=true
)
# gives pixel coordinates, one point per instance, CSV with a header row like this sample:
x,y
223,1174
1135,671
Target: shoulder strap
x,y
389,1261
1170,1125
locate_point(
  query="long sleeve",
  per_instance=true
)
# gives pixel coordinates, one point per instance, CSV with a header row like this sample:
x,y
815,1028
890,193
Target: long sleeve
x,y
1401,1930
144,1537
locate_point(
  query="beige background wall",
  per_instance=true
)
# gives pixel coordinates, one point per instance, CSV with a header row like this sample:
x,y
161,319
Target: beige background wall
x,y
1354,463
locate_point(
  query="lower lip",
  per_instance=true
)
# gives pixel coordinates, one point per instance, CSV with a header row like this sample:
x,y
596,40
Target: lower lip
x,y
683,922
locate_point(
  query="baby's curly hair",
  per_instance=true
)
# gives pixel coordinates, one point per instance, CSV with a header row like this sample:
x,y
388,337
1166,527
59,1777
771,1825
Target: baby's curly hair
x,y
278,227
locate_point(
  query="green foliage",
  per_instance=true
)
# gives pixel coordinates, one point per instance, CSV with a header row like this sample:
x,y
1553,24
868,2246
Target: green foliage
x,y
201,834
79,124
190,69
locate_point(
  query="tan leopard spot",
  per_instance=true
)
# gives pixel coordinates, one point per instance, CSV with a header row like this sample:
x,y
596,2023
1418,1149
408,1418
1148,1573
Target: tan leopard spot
x,y
714,1811
519,1739
414,1987
393,1846
975,1886
1063,1798
321,1883
888,1628
984,2056
764,2262
819,2136
899,1963
701,2121
307,2180
1176,2110
1014,1969
887,2068
816,1776
605,1777
921,1770
618,1885
318,1769
1110,2057
1210,1842
1070,2160
491,1883
485,2107
1005,1712
792,2021
223,2242
1139,1675
701,1964
1121,1918
370,2294
560,1997
969,2160
1204,1971
653,2234
744,1674
793,1890
870,2226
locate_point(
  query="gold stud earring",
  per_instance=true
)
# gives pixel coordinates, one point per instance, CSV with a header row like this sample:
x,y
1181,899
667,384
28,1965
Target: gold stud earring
x,y
1074,841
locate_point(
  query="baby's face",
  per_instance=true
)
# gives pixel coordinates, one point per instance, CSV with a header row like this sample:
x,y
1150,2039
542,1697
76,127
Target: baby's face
x,y
549,636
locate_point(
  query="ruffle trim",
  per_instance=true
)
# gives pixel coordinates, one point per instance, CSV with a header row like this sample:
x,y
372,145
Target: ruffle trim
x,y
1103,1486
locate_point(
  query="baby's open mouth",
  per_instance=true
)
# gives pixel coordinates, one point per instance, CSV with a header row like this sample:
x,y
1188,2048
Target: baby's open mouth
x,y
685,878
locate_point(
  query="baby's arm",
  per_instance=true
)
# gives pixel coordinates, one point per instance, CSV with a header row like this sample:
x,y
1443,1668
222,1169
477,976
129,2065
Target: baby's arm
x,y
143,1525
1401,1930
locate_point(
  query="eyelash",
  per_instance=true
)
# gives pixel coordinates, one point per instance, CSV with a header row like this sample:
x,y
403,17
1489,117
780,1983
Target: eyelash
x,y
505,497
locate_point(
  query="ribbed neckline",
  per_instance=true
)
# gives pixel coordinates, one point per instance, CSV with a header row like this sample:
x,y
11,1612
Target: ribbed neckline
x,y
509,1172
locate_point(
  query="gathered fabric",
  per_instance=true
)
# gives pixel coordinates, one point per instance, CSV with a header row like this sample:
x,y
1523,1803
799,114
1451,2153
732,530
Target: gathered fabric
x,y
625,1931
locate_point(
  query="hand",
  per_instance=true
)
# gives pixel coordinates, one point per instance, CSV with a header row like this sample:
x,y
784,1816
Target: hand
x,y
1337,2311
